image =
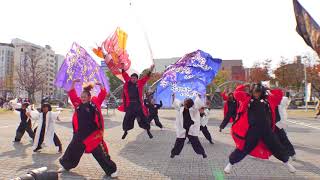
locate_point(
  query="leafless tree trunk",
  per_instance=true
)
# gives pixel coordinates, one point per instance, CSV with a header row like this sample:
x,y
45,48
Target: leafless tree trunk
x,y
32,74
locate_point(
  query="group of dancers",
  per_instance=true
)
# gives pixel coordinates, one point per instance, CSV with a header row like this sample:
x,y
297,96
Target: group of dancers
x,y
256,113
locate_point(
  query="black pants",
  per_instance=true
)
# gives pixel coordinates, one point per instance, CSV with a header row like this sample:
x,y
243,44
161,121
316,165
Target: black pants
x,y
282,135
132,112
253,136
23,127
226,120
75,150
206,133
196,145
156,120
56,139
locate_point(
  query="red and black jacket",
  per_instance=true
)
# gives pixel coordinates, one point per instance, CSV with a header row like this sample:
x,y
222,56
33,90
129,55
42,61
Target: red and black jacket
x,y
96,137
241,124
125,96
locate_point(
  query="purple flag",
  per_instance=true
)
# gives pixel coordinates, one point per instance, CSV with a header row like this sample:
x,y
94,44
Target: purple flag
x,y
78,64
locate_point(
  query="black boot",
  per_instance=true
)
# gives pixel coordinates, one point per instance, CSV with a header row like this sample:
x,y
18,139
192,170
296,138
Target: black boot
x,y
204,155
60,148
149,133
37,149
124,134
211,142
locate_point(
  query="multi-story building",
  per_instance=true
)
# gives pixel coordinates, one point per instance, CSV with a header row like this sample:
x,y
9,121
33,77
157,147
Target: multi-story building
x,y
6,69
234,68
104,66
162,64
25,50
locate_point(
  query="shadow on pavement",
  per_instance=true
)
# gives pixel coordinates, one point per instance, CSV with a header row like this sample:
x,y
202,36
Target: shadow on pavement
x,y
309,167
307,149
108,123
71,175
42,160
19,151
153,155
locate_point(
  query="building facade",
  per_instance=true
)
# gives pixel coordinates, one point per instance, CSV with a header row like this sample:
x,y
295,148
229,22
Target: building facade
x,y
6,70
234,68
24,51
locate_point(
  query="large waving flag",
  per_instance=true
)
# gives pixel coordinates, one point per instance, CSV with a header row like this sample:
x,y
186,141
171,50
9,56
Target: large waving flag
x,y
78,64
188,77
307,27
127,43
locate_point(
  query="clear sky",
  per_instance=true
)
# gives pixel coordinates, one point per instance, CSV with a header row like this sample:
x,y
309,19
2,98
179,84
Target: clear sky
x,y
229,29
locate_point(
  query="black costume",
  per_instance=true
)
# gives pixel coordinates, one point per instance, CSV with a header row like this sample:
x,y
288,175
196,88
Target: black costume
x,y
259,117
25,125
86,125
231,113
282,135
153,112
204,128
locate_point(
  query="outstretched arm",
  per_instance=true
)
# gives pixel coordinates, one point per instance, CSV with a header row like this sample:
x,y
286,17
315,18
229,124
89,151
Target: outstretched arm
x,y
76,101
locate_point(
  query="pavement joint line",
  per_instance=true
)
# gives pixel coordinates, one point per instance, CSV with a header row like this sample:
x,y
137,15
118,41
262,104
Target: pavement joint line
x,y
304,124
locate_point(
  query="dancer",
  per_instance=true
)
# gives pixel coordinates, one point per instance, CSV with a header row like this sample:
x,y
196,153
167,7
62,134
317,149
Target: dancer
x,y
25,124
88,128
153,112
187,125
255,127
230,109
204,113
281,117
133,104
45,132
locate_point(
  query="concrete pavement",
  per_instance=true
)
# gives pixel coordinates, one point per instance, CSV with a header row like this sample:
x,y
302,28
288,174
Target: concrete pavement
x,y
139,157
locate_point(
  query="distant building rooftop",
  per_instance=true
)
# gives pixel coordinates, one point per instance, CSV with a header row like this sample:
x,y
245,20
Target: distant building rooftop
x,y
6,44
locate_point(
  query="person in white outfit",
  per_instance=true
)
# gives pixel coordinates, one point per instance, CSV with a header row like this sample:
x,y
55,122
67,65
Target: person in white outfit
x,y
281,118
204,113
45,133
187,125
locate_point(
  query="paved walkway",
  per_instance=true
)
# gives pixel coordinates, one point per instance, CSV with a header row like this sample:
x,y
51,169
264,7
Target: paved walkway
x,y
139,157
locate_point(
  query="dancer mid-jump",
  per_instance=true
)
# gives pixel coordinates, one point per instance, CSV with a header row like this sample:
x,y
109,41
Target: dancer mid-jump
x,y
133,103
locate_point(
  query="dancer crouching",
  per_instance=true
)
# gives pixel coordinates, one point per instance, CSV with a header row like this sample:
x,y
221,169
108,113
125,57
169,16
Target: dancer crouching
x,y
88,127
254,127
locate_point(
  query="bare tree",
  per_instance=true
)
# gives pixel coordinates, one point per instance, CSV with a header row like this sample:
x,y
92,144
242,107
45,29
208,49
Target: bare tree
x,y
32,74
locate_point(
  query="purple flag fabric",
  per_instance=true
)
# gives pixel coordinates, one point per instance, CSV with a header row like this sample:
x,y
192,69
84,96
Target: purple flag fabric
x,y
78,64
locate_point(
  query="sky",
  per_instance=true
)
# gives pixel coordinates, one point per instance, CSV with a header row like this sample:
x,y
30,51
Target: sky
x,y
250,30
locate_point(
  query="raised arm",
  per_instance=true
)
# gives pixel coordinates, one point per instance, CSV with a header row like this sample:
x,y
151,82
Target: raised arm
x,y
240,94
102,95
224,95
145,79
76,101
275,96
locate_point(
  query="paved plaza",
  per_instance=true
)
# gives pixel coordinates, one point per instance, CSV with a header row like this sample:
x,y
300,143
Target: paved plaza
x,y
139,157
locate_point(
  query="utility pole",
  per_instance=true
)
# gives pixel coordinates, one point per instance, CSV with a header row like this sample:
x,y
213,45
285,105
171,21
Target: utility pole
x,y
305,82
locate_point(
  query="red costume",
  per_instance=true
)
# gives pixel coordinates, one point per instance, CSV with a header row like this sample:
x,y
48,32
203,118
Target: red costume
x,y
96,137
125,97
240,127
